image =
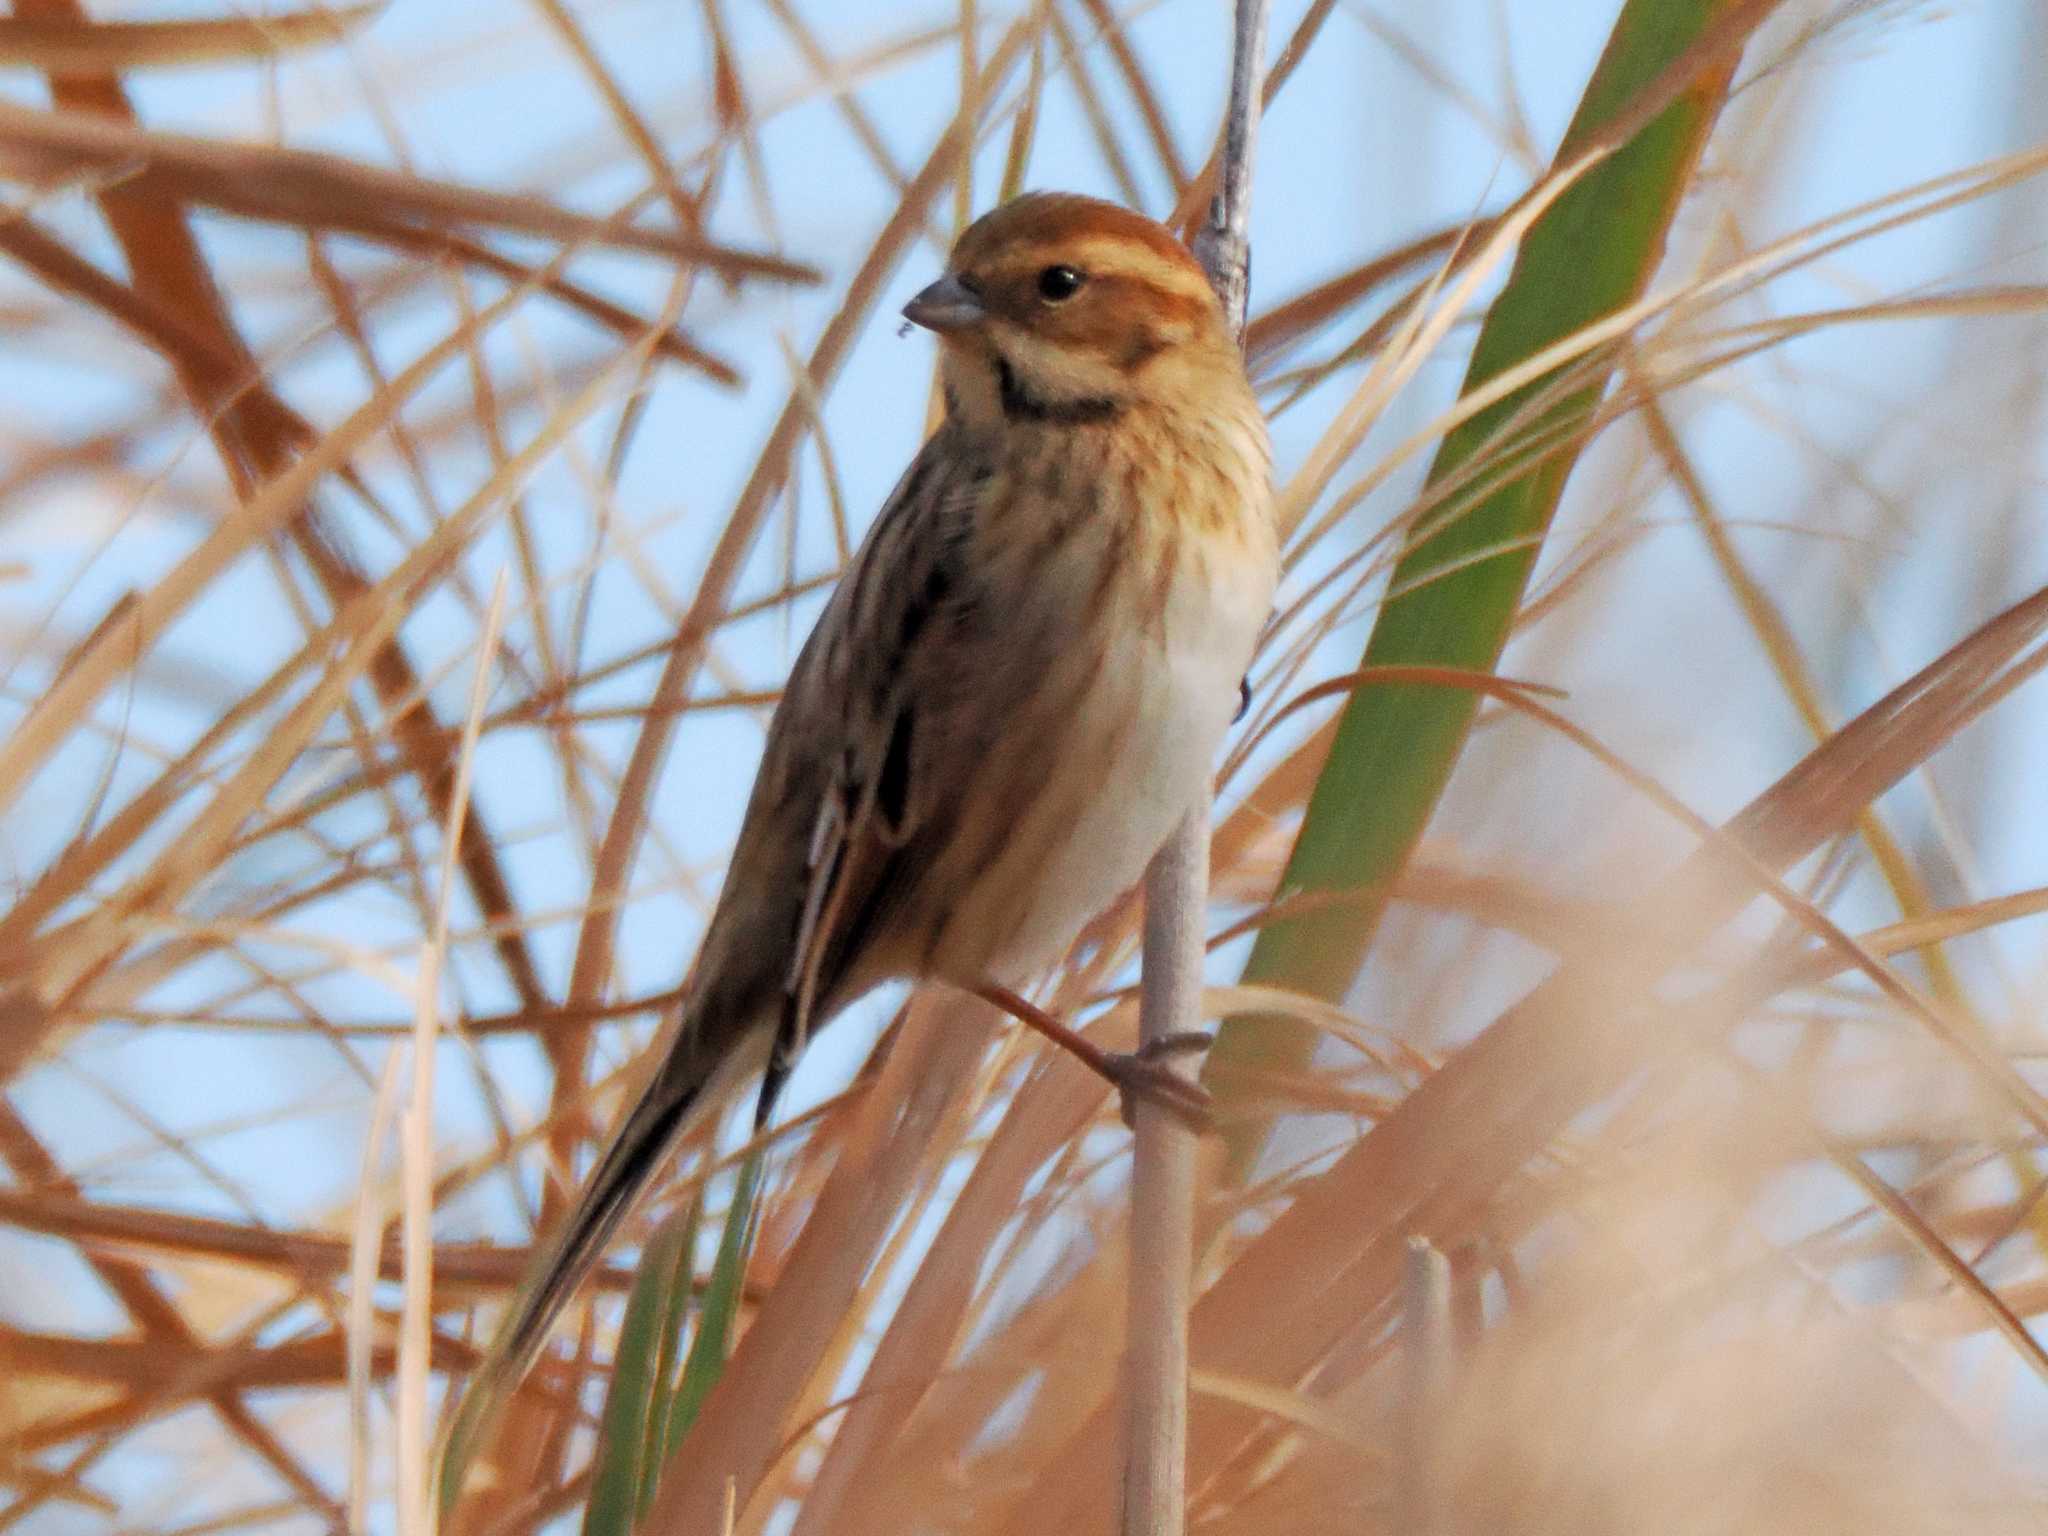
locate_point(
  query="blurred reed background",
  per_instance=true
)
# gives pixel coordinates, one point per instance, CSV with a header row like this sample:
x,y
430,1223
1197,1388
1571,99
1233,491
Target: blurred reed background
x,y
323,326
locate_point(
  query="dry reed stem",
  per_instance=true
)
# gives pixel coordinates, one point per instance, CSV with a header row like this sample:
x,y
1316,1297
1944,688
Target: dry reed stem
x,y
1163,1152
364,1249
1428,1344
1430,1166
739,1428
1003,1339
320,191
361,630
73,46
418,1511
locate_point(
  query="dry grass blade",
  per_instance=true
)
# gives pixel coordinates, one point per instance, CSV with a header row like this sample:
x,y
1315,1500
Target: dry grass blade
x,y
328,192
313,1257
1269,334
65,45
416,1499
318,319
359,635
166,1374
623,833
738,1433
178,338
1430,1167
925,1326
1334,1258
94,669
629,119
364,1251
1142,92
163,1329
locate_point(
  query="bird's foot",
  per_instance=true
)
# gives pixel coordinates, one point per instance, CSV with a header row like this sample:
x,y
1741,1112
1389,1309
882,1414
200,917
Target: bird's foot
x,y
1148,1074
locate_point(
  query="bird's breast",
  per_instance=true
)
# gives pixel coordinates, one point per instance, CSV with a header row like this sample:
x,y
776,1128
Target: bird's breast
x,y
1134,630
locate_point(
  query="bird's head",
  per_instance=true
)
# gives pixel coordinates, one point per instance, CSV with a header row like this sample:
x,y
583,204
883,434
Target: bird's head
x,y
1059,308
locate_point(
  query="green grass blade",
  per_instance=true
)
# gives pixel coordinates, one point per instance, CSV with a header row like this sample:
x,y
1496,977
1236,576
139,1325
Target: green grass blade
x,y
720,1310
628,1430
1589,254
681,1293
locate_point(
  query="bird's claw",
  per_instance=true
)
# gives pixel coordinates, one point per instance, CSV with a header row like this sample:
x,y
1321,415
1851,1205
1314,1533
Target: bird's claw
x,y
1147,1073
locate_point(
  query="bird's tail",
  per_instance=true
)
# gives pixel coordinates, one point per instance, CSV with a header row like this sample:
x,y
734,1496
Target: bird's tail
x,y
607,1197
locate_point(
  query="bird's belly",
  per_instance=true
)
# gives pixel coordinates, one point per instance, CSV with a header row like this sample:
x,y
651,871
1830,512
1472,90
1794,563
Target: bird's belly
x,y
1096,846
1135,745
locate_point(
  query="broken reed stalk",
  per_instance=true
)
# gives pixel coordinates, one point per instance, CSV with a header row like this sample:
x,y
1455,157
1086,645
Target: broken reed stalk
x,y
1428,1343
1176,902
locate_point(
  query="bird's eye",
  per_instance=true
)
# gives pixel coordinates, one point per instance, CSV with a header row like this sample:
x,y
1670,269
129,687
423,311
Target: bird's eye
x,y
1056,284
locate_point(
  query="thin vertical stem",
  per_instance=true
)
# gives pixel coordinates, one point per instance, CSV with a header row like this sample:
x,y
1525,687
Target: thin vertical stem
x,y
1223,243
365,1248
418,1512
1428,1345
1163,1195
1176,901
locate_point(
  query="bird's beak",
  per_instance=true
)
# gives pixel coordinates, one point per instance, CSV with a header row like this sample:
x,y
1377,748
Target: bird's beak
x,y
947,305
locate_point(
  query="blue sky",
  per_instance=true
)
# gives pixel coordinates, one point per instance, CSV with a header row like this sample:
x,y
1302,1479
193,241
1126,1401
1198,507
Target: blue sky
x,y
1880,437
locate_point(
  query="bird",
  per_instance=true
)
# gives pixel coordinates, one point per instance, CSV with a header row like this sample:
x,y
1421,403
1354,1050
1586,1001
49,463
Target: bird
x,y
1016,691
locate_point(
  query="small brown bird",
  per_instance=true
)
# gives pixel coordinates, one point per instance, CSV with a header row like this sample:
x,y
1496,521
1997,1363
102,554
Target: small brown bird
x,y
1015,693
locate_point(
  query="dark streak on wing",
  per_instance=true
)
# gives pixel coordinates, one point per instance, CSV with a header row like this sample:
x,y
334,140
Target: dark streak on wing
x,y
907,504
892,787
793,1025
904,595
781,1059
919,608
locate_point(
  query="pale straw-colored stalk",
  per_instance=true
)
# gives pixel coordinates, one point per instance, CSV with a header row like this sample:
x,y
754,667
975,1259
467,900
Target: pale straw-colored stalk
x,y
417,1508
1176,901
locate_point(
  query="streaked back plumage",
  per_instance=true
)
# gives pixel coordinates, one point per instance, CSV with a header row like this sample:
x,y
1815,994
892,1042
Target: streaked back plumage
x,y
1013,695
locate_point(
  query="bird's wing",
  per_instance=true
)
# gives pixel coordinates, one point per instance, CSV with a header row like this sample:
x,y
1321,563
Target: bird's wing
x,y
855,741
830,841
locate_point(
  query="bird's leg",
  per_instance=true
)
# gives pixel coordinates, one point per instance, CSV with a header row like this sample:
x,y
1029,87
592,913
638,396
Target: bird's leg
x,y
1141,1074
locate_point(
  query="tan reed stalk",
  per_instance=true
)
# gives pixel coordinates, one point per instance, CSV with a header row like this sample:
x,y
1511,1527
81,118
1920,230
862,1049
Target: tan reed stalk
x,y
1176,904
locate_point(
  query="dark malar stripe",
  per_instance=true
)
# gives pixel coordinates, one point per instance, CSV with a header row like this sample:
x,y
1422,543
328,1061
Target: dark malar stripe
x,y
1019,404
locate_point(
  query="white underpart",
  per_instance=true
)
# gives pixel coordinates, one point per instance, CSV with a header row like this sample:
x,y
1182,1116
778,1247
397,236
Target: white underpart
x,y
1146,731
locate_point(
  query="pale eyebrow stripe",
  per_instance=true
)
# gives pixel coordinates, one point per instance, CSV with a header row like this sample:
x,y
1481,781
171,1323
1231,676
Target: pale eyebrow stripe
x,y
1128,258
